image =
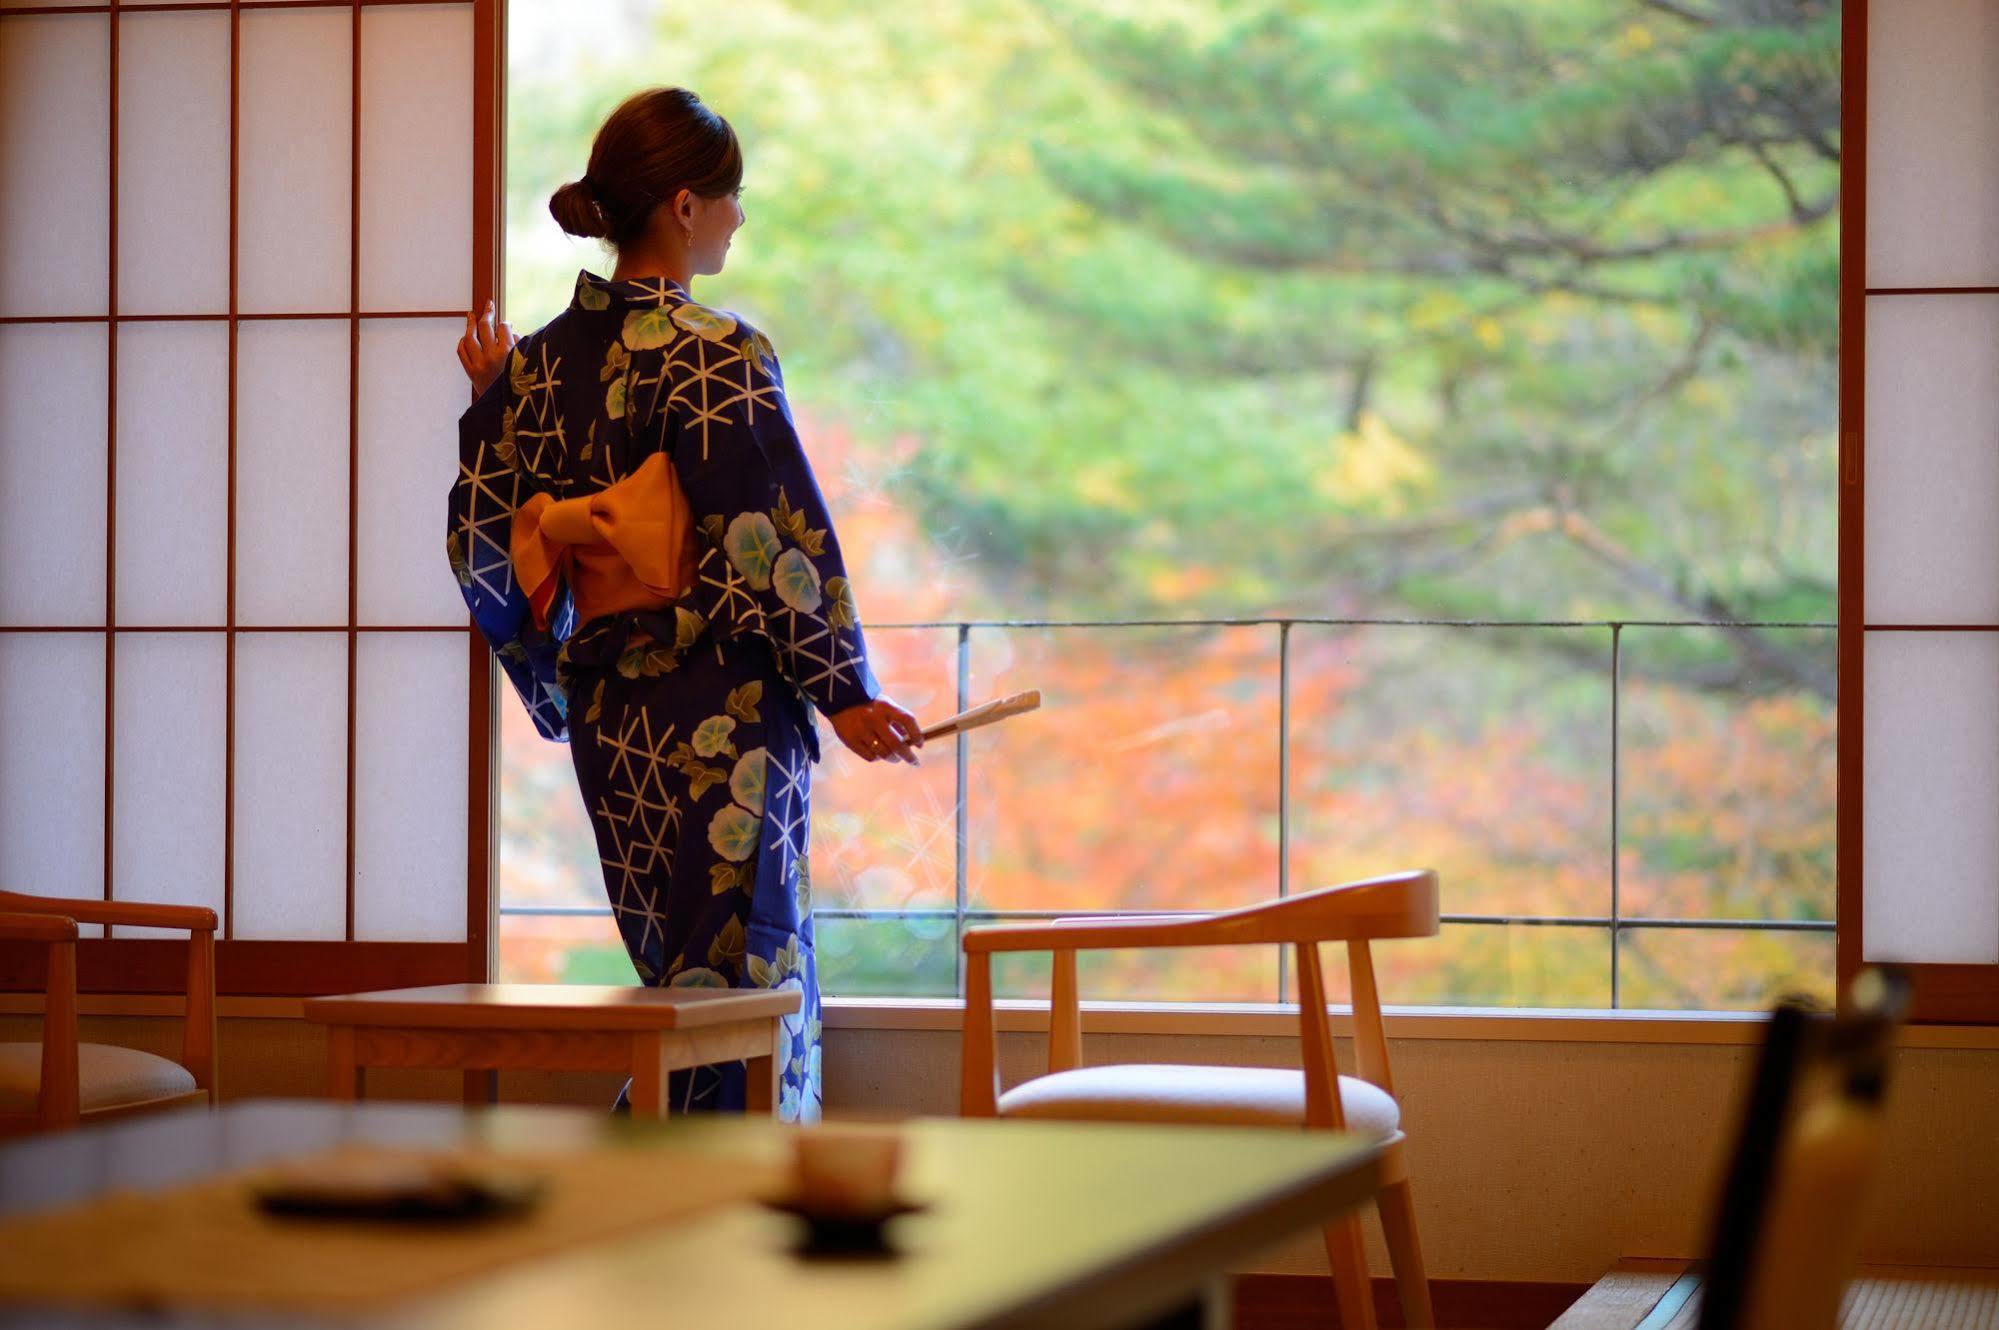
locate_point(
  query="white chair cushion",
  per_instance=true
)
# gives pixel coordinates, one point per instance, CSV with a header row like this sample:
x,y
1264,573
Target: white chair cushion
x,y
107,1077
1217,1096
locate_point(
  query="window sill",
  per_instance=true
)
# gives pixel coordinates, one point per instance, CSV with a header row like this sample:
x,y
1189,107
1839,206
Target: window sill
x,y
1488,1025
1204,1020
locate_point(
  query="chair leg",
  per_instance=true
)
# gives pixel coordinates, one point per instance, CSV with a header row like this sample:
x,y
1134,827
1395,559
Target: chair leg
x,y
1405,1253
1350,1280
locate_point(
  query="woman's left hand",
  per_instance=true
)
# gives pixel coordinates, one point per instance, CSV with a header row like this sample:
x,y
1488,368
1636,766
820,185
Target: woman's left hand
x,y
484,348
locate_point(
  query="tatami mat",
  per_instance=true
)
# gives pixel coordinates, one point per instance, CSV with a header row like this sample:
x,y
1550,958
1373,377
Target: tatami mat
x,y
1902,1300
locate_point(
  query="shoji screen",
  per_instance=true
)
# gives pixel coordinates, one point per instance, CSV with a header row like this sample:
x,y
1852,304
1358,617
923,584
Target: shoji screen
x,y
1919,724
234,667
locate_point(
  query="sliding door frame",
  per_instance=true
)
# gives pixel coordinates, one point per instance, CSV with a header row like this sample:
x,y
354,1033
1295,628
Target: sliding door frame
x,y
271,966
1943,993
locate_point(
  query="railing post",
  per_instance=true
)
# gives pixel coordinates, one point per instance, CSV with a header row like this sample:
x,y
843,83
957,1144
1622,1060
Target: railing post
x,y
1283,791
961,835
1616,792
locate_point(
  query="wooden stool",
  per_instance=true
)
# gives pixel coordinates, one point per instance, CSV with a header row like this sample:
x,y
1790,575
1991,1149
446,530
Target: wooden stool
x,y
644,1032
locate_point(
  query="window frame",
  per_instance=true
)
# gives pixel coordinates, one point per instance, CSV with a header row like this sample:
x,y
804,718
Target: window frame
x,y
914,1012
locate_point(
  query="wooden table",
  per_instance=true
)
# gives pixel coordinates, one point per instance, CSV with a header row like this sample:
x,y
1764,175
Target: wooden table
x,y
1078,1225
644,1032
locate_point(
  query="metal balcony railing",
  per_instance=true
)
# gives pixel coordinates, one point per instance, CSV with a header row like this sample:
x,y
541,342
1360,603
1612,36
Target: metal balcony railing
x,y
1614,921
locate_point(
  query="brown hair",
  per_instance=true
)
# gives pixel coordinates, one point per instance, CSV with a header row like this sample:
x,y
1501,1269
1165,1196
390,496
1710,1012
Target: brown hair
x,y
657,143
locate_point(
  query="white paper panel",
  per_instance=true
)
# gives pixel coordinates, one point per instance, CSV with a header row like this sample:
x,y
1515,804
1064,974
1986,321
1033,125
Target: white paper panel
x,y
295,161
411,395
167,773
1933,459
173,163
409,787
416,157
291,472
1931,856
55,162
1932,174
52,764
52,475
173,473
291,786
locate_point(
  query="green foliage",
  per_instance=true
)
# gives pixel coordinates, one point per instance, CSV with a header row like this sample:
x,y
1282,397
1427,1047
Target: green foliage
x,y
1472,309
1136,276
598,965
1581,256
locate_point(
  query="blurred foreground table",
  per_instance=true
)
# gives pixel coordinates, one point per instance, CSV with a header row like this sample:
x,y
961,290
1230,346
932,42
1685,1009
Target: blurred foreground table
x,y
646,1033
1028,1224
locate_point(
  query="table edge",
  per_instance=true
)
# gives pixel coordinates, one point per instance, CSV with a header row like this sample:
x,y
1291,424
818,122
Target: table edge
x,y
357,1010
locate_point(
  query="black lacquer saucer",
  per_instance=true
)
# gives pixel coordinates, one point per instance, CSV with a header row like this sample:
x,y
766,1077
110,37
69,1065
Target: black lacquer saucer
x,y
843,1232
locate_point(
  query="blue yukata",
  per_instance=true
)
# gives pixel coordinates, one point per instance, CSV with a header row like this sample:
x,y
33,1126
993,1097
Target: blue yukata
x,y
689,725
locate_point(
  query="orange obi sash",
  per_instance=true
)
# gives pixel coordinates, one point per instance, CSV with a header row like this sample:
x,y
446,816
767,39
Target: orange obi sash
x,y
630,546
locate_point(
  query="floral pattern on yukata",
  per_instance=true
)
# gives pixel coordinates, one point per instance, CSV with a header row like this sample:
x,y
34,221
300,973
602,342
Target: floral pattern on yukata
x,y
689,727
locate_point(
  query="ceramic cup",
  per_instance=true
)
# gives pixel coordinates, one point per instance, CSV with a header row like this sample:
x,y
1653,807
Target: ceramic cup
x,y
846,1170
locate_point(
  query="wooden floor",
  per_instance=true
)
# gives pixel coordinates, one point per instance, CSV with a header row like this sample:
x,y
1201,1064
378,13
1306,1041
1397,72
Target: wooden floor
x,y
1306,1302
1903,1298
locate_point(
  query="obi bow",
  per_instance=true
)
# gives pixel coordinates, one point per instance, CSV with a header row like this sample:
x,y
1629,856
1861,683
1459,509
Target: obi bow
x,y
630,546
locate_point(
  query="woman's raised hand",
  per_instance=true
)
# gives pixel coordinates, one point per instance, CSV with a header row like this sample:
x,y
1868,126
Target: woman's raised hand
x,y
483,350
879,729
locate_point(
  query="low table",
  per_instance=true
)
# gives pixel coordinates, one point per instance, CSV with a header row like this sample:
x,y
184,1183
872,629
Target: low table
x,y
643,1032
1086,1226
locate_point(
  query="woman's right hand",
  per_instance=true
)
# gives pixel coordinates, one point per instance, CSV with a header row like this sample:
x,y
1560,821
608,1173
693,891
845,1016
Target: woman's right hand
x,y
879,729
483,350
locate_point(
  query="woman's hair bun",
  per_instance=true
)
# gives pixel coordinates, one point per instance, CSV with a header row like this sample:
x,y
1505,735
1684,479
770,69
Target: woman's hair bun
x,y
576,211
657,143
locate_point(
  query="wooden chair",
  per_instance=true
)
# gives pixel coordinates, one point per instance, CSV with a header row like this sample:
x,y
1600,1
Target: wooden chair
x,y
1400,905
1787,1229
57,1083
1786,1233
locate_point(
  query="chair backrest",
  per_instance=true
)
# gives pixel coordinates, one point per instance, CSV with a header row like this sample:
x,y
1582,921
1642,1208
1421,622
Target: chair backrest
x,y
1391,906
1787,1228
198,1024
56,1105
1394,906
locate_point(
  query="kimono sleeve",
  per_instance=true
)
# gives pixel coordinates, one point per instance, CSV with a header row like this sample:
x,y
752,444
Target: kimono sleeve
x,y
477,541
769,562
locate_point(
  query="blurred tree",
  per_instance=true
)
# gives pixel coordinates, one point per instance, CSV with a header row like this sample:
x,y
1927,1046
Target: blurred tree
x,y
1571,266
1161,307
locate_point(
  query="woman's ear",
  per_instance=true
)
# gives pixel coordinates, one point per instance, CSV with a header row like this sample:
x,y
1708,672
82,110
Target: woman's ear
x,y
683,215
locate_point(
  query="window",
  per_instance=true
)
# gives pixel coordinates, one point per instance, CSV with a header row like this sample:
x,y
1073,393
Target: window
x,y
1357,419
234,670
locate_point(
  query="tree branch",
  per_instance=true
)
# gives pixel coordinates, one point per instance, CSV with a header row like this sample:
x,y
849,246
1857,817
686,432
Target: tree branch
x,y
1755,647
1688,13
1760,149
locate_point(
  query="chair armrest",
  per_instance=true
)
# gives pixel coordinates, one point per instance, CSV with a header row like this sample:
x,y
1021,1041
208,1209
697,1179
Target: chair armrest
x,y
53,919
1394,905
193,918
978,1094
1096,934
58,1098
37,928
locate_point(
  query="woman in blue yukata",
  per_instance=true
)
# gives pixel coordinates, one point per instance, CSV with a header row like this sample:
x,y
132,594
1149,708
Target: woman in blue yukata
x,y
641,540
